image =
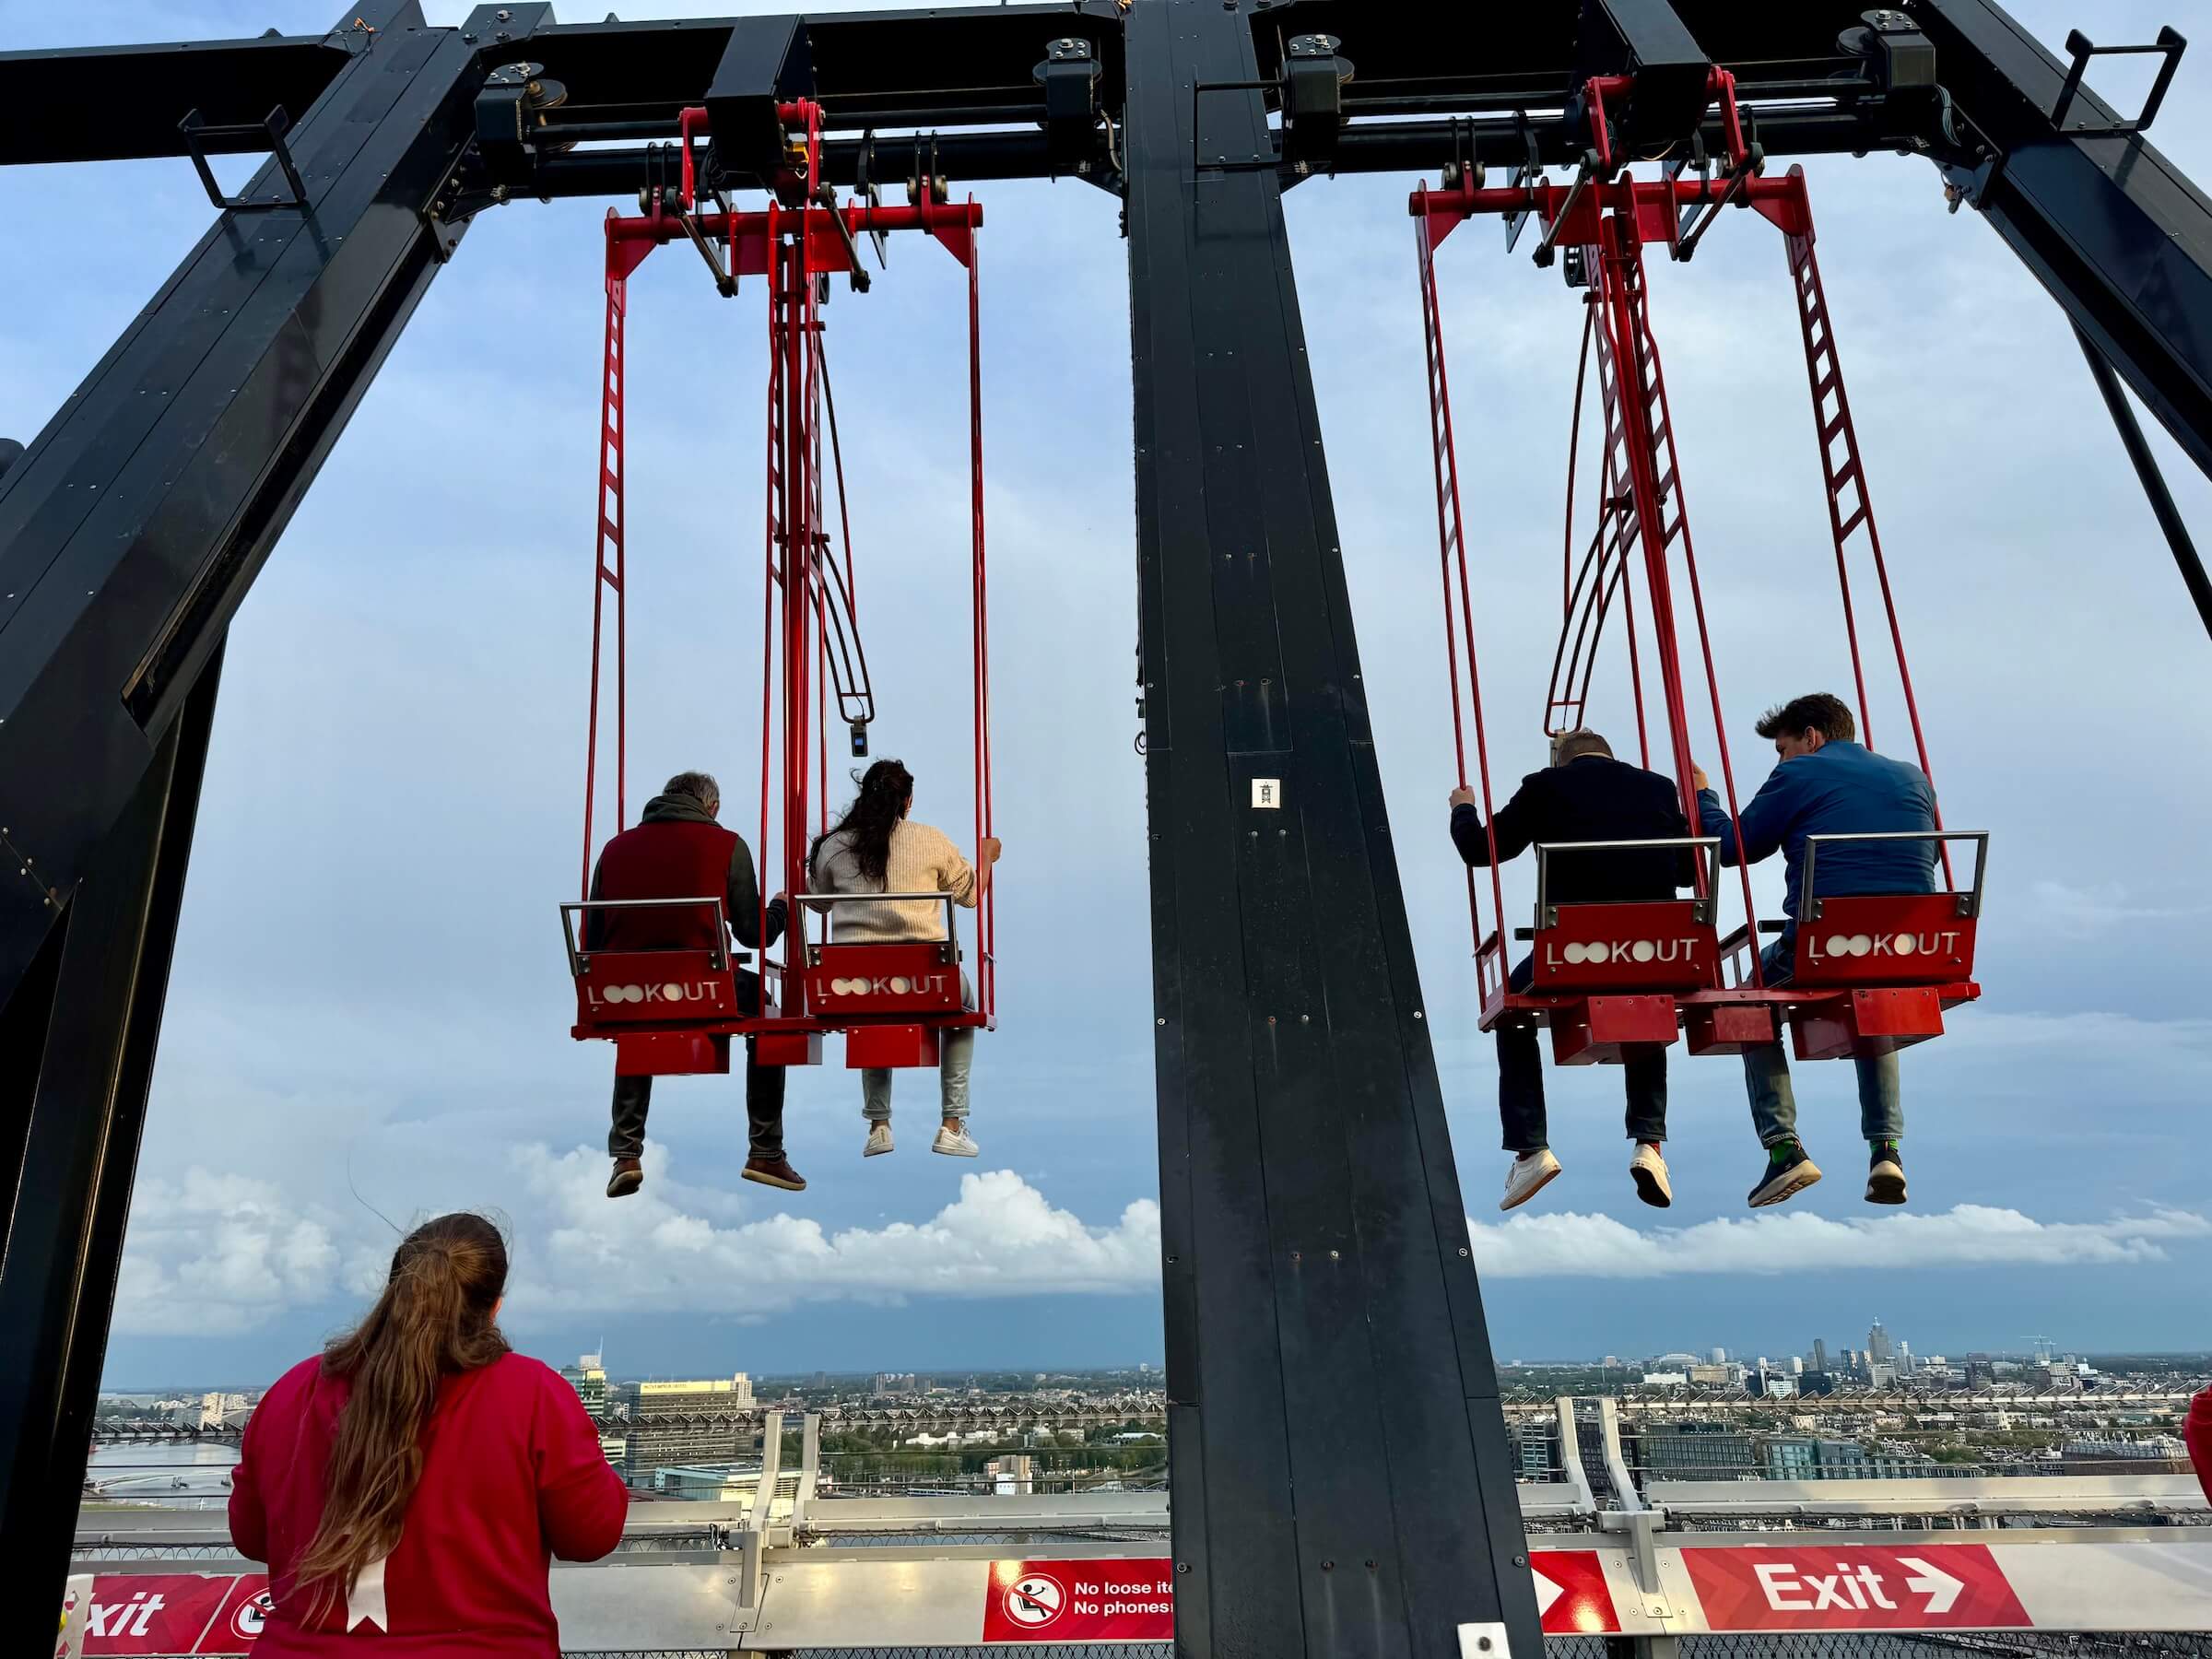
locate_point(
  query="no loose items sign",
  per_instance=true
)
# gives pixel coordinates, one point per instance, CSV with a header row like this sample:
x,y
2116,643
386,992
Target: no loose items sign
x,y
1134,1601
1080,1601
1930,1587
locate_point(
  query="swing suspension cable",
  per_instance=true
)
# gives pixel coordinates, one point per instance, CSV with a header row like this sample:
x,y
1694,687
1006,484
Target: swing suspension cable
x,y
1632,363
1452,561
1591,585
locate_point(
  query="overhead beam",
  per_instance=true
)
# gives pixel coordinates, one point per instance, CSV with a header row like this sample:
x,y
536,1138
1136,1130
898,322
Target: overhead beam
x,y
120,103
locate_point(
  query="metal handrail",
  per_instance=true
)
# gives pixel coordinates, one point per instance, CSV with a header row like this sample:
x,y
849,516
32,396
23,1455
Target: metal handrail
x,y
1547,914
578,960
1969,902
824,901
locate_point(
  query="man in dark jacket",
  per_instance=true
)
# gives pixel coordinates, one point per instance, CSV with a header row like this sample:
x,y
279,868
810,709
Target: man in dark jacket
x,y
1584,795
676,849
1827,783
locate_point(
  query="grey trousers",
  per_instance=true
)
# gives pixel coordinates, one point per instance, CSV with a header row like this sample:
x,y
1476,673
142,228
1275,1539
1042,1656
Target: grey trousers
x,y
953,1066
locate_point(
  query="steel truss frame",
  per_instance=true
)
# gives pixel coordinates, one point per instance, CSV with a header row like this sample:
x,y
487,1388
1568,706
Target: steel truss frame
x,y
1340,1463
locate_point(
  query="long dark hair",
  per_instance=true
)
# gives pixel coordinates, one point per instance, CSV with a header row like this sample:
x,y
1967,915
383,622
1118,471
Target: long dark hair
x,y
885,789
434,1319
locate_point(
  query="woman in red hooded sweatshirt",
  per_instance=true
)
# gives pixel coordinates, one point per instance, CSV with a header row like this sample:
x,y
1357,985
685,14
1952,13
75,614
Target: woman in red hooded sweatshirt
x,y
2198,1432
408,1486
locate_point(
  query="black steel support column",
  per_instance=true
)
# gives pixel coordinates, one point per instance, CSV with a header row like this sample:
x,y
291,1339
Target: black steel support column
x,y
79,1040
129,533
2185,556
1338,1453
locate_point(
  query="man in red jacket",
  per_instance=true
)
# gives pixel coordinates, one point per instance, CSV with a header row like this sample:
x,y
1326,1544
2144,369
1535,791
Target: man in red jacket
x,y
677,850
2199,1434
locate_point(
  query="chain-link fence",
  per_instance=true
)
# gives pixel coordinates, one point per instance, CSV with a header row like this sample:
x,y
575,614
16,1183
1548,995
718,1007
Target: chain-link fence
x,y
1998,1644
2024,1645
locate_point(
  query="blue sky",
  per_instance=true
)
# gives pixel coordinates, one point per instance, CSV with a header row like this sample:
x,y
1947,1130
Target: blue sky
x,y
369,989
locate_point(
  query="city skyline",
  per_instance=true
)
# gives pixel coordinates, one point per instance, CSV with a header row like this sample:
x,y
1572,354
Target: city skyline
x,y
116,1386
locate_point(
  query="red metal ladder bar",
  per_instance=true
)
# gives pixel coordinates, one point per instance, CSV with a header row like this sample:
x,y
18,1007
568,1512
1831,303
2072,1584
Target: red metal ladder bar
x,y
607,569
1842,471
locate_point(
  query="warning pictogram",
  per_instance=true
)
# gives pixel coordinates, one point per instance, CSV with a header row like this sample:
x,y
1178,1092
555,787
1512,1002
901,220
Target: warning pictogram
x,y
1034,1600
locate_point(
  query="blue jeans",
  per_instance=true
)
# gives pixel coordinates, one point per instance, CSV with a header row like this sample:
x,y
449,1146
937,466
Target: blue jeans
x,y
954,1061
1521,1084
1767,1077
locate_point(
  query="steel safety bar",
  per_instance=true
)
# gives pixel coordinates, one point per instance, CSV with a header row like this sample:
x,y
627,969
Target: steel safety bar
x,y
1970,901
1548,913
824,902
579,958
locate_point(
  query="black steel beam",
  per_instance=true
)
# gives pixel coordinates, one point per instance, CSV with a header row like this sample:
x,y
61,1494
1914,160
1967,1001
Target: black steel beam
x,y
112,103
964,158
866,65
2114,229
1363,147
1339,1451
132,526
129,532
2185,556
79,1043
1497,58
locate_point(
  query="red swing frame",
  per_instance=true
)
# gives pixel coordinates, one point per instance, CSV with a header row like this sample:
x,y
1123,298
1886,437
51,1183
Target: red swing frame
x,y
1869,974
892,1001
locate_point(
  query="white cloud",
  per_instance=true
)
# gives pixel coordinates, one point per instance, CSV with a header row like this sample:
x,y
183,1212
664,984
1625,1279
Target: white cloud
x,y
218,1254
658,1252
1577,1246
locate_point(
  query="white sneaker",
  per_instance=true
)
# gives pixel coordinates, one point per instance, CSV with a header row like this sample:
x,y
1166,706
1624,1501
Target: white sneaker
x,y
1648,1170
879,1141
1529,1176
954,1143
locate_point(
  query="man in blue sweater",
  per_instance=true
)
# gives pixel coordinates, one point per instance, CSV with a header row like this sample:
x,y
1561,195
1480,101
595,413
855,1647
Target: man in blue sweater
x,y
1828,783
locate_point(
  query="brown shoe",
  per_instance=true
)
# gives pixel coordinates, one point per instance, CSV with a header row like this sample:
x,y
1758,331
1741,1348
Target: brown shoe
x,y
629,1176
776,1172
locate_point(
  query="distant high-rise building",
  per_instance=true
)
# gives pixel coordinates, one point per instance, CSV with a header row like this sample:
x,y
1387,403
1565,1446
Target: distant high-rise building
x,y
1879,1348
1797,1366
1719,1356
588,1378
1820,1355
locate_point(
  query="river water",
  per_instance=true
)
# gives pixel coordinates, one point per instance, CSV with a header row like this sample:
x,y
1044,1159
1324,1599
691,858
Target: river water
x,y
187,1476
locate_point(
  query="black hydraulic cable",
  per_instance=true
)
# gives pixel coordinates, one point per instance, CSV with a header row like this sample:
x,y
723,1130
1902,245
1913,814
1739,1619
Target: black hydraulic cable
x,y
2154,481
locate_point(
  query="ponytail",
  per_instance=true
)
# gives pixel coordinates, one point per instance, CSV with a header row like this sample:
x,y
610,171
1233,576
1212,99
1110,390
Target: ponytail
x,y
433,1320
